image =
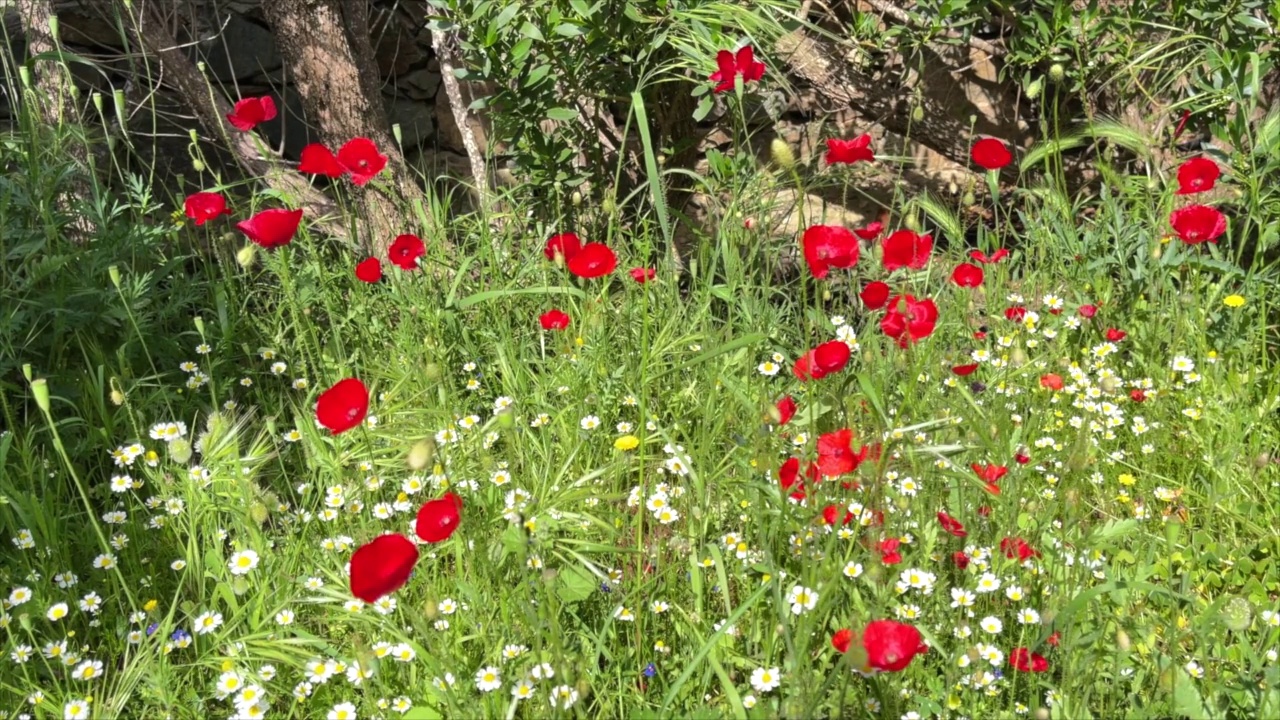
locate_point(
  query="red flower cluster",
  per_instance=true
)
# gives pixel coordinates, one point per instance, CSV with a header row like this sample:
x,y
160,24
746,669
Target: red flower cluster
x,y
591,260
829,357
889,644
359,157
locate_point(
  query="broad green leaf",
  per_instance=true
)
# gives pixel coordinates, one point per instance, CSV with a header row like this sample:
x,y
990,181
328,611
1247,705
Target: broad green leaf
x,y
562,114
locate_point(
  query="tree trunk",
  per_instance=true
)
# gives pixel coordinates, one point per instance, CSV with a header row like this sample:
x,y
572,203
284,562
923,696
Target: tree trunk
x,y
149,26
325,44
53,103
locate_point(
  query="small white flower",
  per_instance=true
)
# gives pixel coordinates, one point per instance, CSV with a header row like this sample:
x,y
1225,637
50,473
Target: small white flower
x,y
765,679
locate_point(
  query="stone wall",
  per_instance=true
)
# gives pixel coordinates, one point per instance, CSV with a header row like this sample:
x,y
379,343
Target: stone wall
x,y
240,55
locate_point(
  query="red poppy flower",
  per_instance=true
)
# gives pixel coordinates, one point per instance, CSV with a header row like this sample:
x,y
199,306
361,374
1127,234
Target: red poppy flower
x,y
437,519
850,151
592,261
841,640
1021,457
1137,395
382,566
1197,175
889,554
1055,638
871,231
1198,223
316,159
643,275
205,206
831,514
1015,313
1017,547
875,295
1051,381
991,259
891,645
966,275
1087,311
361,158
1026,661
990,154
828,246
405,251
909,320
952,525
905,248
786,410
985,510
343,406
731,65
988,472
251,111
964,370
835,453
564,245
271,228
789,473
1116,335
961,559
821,361
554,320
369,270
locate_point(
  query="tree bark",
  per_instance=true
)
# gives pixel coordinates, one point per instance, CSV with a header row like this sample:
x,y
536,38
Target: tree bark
x,y
53,102
446,49
325,44
152,32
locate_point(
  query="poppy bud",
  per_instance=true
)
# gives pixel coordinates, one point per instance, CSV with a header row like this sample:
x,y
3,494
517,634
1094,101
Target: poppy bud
x,y
968,197
1042,713
1122,640
576,198
912,221
1157,251
117,398
607,205
749,223
397,134
180,451
1057,72
917,113
1019,358
259,513
826,294
420,454
432,371
40,390
782,154
246,256
430,609
1033,90
1262,460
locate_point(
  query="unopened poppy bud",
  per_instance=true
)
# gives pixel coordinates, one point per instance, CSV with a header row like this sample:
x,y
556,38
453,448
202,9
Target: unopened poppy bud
x,y
430,609
420,454
1057,72
968,198
576,198
1041,713
117,398
607,205
197,165
782,154
245,256
432,371
180,451
749,223
97,101
397,134
1033,90
1262,460
917,113
117,99
113,272
912,221
826,294
1018,358
1122,640
40,391
259,513
199,322
506,420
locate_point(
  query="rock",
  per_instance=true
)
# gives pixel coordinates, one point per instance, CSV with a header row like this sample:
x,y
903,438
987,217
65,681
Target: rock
x,y
416,119
420,84
244,50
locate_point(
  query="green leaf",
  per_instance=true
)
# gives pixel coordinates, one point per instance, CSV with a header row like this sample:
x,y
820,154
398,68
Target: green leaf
x,y
575,585
520,51
537,75
562,114
568,30
704,108
531,31
1186,697
506,16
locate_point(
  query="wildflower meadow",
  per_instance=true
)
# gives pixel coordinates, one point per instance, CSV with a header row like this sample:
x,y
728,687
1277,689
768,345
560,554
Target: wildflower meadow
x,y
536,464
